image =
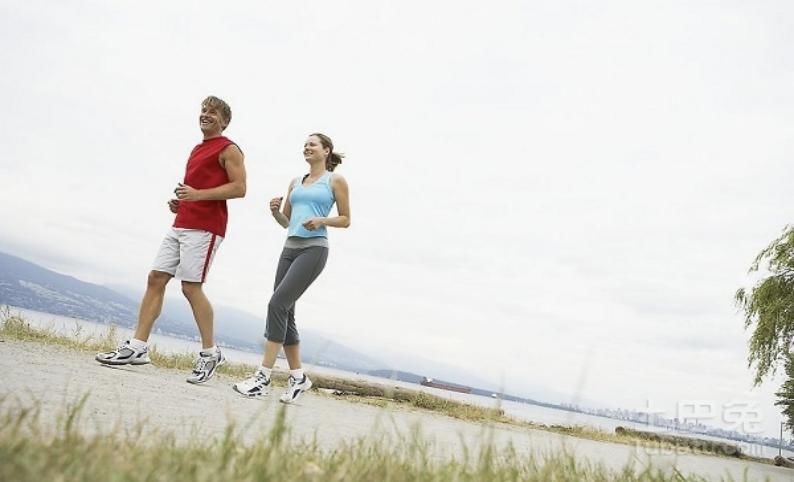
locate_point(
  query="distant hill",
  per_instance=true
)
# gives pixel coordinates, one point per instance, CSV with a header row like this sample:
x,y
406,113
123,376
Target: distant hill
x,y
26,285
30,286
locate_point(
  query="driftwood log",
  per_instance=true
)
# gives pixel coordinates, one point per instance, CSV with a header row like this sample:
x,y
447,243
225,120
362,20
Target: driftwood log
x,y
784,462
710,446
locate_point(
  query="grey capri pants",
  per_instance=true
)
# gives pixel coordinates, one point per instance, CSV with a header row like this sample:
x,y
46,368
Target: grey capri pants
x,y
297,269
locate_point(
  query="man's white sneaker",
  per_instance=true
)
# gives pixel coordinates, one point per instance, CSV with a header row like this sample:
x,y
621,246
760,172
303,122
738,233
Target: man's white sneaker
x,y
256,386
205,366
295,389
125,354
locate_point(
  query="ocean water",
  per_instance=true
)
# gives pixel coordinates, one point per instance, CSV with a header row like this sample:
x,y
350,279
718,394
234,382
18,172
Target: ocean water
x,y
522,411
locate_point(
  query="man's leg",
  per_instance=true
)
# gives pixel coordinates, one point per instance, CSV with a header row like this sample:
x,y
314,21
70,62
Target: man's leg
x,y
210,357
202,311
135,350
151,304
197,250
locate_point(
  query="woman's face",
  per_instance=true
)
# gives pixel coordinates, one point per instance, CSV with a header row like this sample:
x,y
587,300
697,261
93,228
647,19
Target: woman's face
x,y
313,150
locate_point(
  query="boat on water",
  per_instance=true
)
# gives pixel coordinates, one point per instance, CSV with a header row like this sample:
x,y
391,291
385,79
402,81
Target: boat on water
x,y
429,382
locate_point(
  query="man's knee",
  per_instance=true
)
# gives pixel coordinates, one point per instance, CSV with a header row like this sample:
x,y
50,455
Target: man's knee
x,y
157,279
190,289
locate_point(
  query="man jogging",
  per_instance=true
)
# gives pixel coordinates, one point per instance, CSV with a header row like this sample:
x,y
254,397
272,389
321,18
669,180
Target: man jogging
x,y
215,172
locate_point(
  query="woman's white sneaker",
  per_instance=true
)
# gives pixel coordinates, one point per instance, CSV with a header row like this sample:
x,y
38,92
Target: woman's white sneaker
x,y
295,389
256,386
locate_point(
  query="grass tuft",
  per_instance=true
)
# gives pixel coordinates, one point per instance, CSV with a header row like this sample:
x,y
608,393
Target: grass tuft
x,y
29,453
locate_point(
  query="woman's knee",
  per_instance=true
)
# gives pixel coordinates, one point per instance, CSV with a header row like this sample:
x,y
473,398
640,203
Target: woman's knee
x,y
275,332
276,326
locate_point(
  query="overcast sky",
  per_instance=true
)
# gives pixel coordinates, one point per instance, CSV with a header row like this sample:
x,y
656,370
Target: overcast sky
x,y
562,196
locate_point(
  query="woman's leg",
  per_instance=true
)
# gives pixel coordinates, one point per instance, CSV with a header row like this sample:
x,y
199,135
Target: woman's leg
x,y
305,266
293,353
272,348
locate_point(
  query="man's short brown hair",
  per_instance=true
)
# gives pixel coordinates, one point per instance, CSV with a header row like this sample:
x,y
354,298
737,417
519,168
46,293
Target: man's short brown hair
x,y
221,106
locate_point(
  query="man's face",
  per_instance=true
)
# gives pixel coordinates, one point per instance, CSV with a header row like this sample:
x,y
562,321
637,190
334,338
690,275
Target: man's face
x,y
211,121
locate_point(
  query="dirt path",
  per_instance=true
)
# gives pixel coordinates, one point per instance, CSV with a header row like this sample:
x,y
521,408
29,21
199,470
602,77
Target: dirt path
x,y
56,376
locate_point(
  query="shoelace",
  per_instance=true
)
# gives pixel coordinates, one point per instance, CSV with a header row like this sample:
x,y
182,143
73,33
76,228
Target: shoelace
x,y
118,348
261,378
201,363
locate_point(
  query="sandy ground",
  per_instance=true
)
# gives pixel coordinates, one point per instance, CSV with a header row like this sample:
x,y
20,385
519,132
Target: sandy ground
x,y
121,397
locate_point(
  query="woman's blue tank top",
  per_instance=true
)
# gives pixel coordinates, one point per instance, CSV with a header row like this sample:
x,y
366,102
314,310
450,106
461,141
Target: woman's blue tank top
x,y
312,201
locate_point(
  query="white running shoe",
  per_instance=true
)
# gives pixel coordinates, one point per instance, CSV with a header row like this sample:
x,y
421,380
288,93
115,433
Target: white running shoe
x,y
256,386
295,389
205,366
125,354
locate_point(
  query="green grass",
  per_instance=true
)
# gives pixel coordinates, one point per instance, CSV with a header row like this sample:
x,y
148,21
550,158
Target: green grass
x,y
28,452
17,328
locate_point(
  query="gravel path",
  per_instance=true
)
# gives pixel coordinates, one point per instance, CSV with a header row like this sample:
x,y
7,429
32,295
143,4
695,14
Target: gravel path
x,y
120,397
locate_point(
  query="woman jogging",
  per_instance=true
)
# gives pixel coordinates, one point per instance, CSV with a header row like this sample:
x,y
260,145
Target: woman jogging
x,y
306,218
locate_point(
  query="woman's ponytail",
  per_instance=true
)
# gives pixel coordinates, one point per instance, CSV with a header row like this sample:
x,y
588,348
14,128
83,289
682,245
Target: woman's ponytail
x,y
334,158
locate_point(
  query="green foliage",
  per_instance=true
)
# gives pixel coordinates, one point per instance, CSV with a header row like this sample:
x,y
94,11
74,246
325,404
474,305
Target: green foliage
x,y
785,396
769,306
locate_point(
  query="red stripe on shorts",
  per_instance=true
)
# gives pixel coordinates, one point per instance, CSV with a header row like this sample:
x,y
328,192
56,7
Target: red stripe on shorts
x,y
207,259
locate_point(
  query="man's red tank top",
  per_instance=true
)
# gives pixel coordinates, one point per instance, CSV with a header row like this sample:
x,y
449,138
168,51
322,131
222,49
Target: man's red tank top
x,y
204,171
